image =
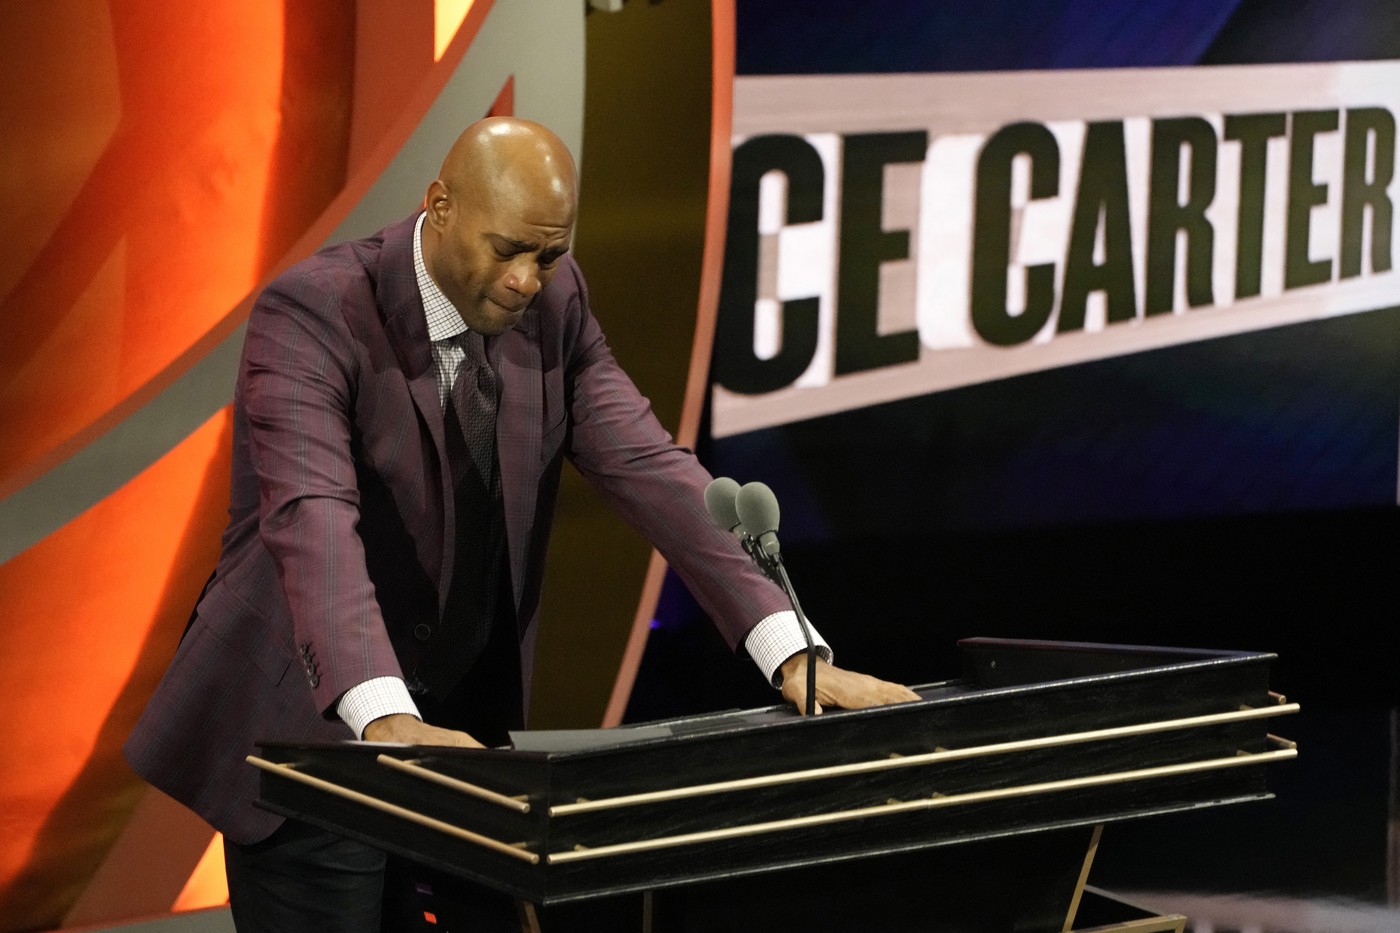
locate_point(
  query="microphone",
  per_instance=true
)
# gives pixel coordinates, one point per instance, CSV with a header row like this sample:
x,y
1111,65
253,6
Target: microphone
x,y
757,508
719,502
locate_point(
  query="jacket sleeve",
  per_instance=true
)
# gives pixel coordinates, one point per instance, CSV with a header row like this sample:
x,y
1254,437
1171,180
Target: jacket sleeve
x,y
297,388
621,449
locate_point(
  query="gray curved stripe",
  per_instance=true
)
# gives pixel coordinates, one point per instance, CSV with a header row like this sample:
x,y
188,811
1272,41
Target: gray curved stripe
x,y
103,466
549,75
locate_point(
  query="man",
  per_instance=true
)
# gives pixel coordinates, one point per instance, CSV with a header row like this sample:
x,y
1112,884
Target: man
x,y
403,406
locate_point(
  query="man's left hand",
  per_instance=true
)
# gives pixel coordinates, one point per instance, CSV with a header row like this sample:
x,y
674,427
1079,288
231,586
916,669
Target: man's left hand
x,y
839,687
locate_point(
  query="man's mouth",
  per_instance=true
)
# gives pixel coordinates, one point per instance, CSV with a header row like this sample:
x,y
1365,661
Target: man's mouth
x,y
514,312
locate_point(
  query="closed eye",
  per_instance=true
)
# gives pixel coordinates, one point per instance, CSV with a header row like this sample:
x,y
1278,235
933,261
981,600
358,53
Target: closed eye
x,y
507,249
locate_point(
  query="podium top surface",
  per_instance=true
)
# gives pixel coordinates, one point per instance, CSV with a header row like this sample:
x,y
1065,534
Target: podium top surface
x,y
1009,688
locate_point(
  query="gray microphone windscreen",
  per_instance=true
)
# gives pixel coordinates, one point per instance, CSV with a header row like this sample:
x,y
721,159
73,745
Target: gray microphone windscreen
x,y
719,502
758,510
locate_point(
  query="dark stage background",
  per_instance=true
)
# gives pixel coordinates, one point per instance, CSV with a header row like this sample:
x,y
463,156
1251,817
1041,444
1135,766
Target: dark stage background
x,y
1235,493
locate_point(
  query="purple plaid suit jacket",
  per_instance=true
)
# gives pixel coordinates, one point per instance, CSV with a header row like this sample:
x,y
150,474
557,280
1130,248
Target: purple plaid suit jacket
x,y
341,531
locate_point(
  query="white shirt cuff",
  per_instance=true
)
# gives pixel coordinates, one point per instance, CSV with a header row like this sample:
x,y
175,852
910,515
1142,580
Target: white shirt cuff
x,y
777,638
363,703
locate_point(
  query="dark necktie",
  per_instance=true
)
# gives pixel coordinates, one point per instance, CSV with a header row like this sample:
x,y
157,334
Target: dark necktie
x,y
475,395
478,578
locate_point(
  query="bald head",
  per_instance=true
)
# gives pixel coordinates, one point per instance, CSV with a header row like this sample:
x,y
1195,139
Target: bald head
x,y
499,154
499,216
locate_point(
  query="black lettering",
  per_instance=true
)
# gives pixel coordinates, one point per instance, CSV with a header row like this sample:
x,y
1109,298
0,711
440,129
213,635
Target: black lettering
x,y
736,366
865,245
991,234
1103,195
1362,190
1253,132
1166,214
1299,269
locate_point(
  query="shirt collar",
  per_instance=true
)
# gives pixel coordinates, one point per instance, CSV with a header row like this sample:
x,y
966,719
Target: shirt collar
x,y
444,322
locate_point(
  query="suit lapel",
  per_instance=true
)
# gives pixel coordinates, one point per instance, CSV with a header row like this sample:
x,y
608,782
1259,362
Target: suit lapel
x,y
407,331
515,355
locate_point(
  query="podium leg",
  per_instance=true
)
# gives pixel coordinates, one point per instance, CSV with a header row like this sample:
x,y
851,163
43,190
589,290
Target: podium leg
x,y
1083,879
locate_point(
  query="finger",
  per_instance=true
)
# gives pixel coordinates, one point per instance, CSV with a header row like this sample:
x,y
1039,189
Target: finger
x,y
867,692
795,692
902,691
887,692
462,739
797,696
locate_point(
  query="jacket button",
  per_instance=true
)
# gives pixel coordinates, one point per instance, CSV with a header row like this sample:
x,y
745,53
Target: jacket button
x,y
422,631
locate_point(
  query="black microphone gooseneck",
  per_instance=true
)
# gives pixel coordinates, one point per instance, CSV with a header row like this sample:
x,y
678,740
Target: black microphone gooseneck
x,y
757,510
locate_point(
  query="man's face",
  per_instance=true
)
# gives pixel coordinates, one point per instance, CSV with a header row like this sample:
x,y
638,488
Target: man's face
x,y
491,255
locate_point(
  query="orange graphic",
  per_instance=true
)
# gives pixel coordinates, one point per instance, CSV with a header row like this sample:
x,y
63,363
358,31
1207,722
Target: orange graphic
x,y
160,160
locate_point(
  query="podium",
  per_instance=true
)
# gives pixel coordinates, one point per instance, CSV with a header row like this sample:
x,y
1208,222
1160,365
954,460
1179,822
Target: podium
x,y
978,807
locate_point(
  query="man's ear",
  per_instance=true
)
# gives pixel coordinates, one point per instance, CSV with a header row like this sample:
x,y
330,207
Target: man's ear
x,y
438,204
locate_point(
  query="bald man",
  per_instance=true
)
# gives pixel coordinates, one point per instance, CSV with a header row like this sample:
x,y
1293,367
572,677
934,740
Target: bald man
x,y
403,407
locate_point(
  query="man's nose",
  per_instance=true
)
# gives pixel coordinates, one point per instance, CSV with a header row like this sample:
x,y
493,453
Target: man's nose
x,y
524,278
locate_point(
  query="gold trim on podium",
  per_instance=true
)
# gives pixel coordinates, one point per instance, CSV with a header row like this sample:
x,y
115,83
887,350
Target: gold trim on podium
x,y
908,761
411,766
927,803
1161,923
1083,879
289,771
1284,749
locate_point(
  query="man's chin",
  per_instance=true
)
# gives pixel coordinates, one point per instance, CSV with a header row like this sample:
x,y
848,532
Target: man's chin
x,y
500,317
493,320
498,327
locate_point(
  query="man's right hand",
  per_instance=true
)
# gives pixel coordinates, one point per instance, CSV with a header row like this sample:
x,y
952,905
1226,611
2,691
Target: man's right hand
x,y
410,730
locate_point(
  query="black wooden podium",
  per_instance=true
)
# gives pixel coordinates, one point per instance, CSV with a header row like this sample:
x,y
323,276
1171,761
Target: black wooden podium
x,y
977,808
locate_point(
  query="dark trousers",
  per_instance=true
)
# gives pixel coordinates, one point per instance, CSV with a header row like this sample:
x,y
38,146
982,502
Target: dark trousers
x,y
303,878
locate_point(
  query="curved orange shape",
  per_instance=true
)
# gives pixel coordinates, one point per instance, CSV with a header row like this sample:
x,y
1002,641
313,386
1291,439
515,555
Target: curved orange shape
x,y
222,146
171,220
92,613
